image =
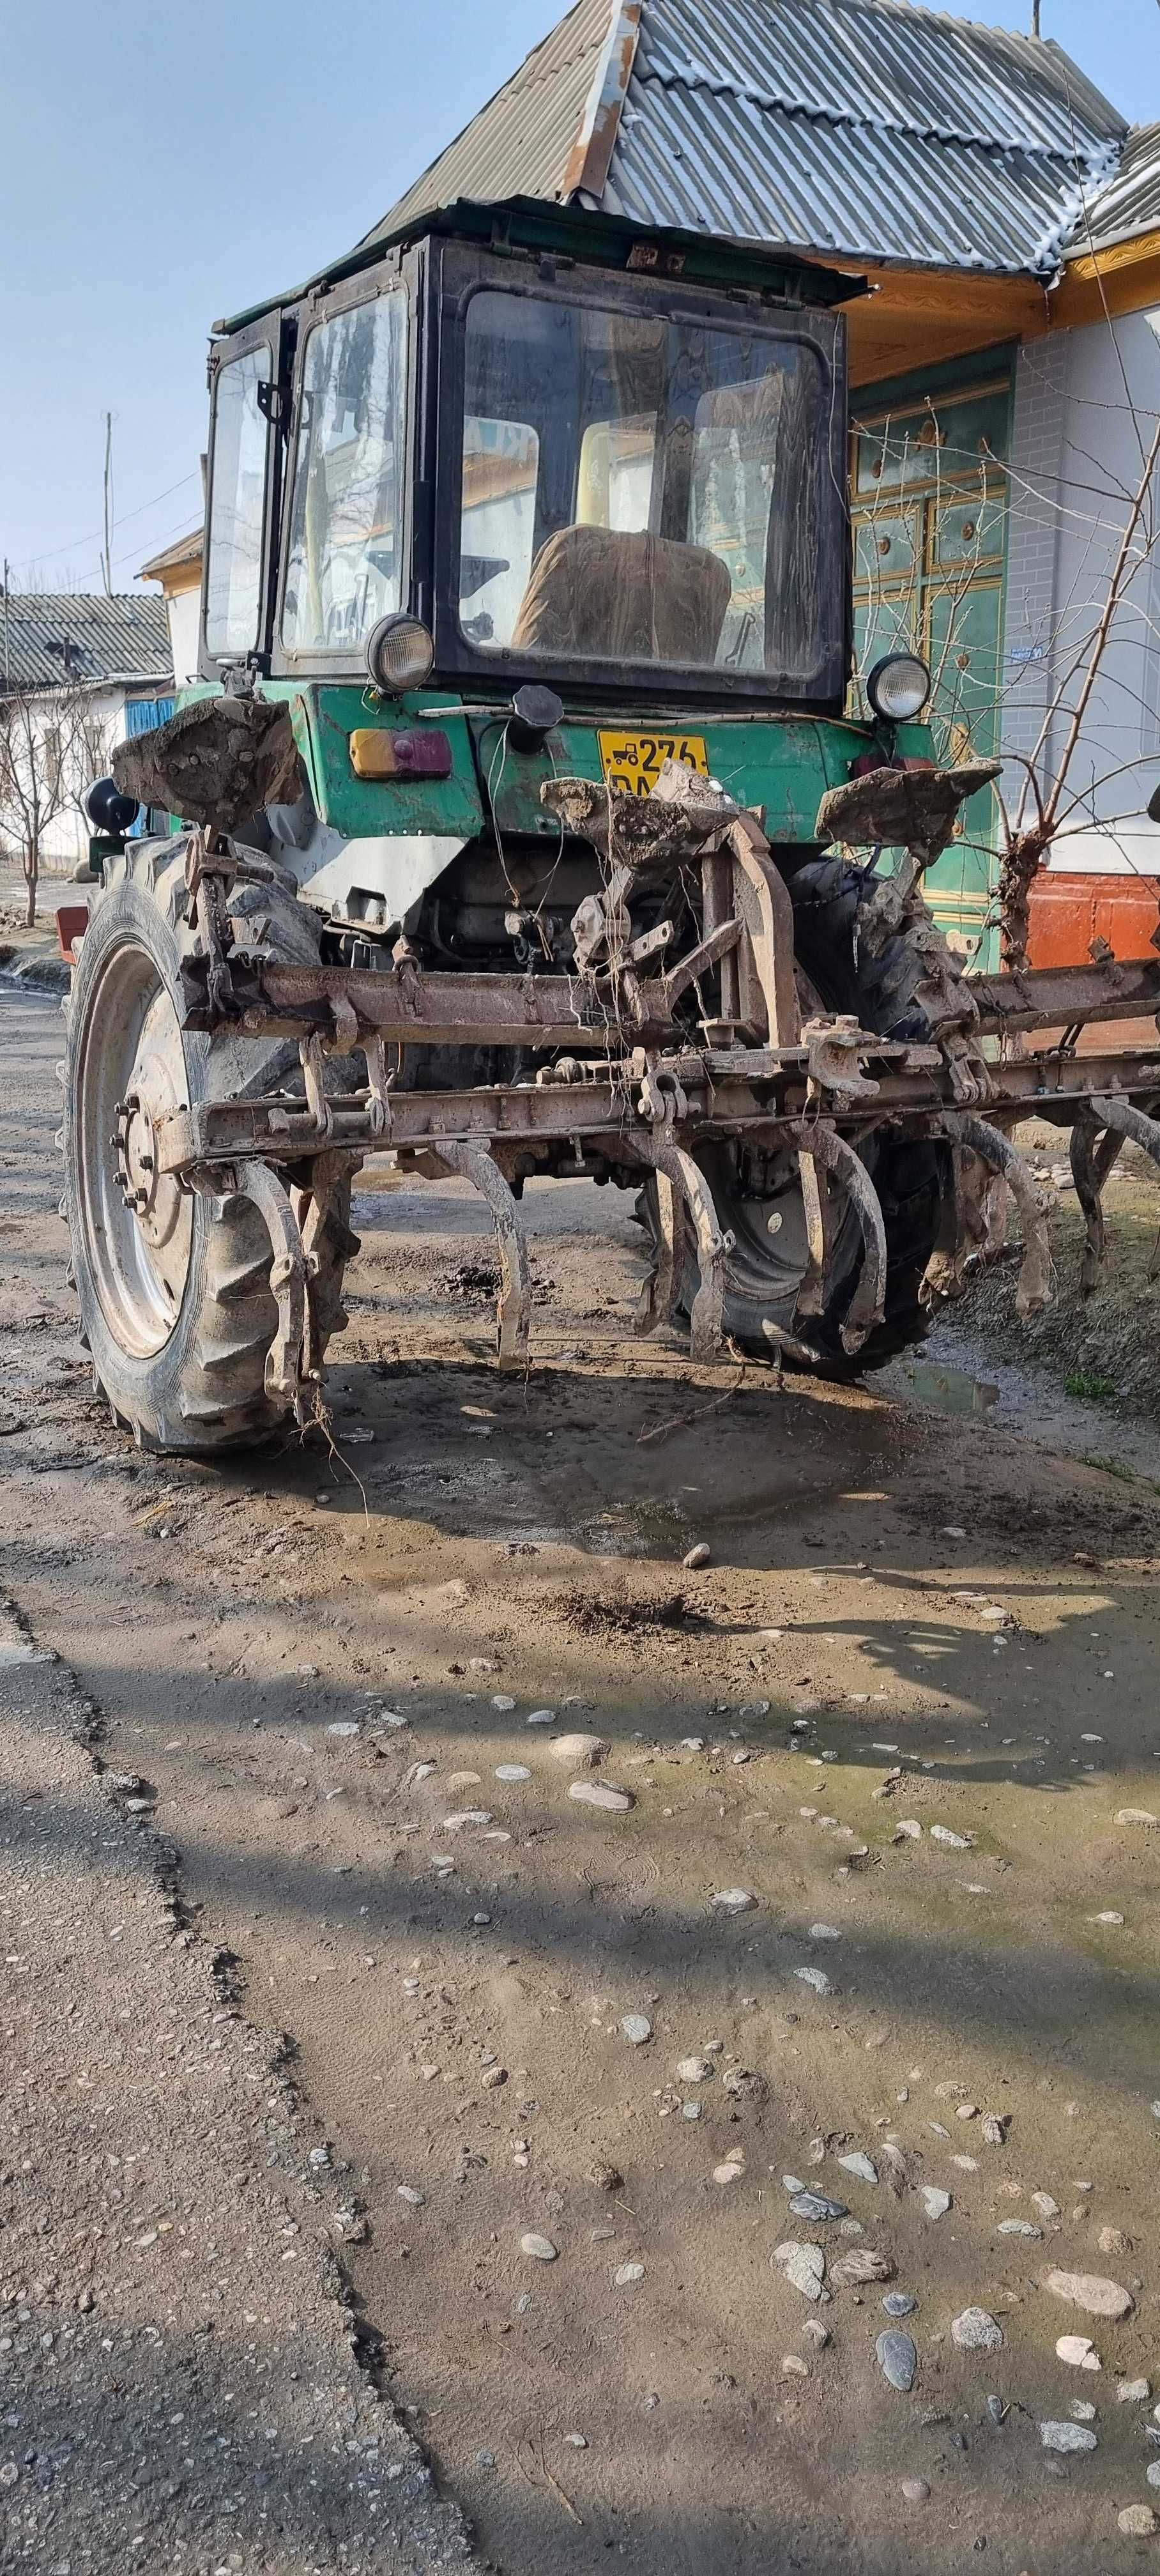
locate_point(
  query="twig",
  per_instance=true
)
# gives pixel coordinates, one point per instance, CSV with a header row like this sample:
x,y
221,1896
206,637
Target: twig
x,y
681,1421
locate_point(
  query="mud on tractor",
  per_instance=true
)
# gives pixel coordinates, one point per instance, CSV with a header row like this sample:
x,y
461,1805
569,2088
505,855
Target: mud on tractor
x,y
523,833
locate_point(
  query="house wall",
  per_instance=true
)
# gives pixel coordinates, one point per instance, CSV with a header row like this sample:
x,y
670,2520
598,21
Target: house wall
x,y
65,840
184,612
1086,405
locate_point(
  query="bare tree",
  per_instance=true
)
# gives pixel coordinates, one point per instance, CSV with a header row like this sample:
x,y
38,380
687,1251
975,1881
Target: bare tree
x,y
46,762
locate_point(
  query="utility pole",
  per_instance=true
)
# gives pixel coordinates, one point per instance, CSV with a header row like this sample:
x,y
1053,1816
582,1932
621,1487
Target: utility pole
x,y
106,560
1035,17
7,634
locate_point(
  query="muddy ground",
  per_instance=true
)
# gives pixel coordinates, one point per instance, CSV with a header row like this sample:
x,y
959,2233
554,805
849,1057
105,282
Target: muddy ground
x,y
908,1618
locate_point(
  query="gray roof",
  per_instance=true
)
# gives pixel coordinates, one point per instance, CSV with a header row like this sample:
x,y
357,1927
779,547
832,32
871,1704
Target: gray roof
x,y
873,129
1129,204
48,638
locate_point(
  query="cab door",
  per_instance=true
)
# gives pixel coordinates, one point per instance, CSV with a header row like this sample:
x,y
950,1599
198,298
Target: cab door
x,y
249,377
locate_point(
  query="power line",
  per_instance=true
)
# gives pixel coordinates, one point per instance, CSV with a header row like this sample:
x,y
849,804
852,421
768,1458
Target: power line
x,y
50,553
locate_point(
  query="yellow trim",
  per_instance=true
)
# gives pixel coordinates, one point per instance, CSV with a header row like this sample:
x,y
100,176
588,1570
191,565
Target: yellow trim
x,y
1123,279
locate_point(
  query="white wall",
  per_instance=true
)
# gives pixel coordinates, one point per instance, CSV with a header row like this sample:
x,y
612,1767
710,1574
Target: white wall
x,y
1086,407
184,624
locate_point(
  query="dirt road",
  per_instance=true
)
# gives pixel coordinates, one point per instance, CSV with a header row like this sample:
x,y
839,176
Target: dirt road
x,y
897,1722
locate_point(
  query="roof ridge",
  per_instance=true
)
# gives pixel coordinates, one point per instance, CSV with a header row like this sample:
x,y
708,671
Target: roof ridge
x,y
725,85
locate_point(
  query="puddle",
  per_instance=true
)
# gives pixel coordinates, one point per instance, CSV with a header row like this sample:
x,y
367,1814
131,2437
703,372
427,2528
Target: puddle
x,y
949,1390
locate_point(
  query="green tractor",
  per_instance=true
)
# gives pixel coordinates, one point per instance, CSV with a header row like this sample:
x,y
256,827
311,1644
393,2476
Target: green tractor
x,y
525,833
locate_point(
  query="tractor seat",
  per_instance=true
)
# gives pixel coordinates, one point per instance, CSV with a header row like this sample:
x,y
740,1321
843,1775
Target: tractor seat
x,y
607,595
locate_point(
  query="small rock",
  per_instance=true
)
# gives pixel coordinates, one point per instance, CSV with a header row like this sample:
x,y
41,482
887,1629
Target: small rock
x,y
727,2173
580,1752
598,1793
1117,1922
694,2070
864,2263
915,2490
1067,2437
804,2267
512,1771
745,2084
1046,2206
1018,2227
899,2303
996,2409
815,1977
695,1557
936,2203
897,2358
465,1816
692,2110
976,2331
541,1717
860,2166
793,2367
1152,2474
540,2248
406,2191
734,1900
824,1932
995,2128
606,2177
814,2207
636,2028
1133,2392
1082,2412
1087,2290
817,2332
1077,2351
955,1842
626,2273
908,1830
502,1701
1134,1816
1112,2240
1136,2521
577,2441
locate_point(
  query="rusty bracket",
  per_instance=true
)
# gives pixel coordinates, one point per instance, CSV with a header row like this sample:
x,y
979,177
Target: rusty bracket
x,y
1092,1163
834,1048
688,1184
1036,1287
822,1145
514,1304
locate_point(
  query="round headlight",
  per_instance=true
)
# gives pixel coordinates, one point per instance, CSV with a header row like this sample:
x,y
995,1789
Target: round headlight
x,y
400,653
898,687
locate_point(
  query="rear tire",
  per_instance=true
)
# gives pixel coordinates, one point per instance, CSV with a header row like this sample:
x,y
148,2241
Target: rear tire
x,y
175,1302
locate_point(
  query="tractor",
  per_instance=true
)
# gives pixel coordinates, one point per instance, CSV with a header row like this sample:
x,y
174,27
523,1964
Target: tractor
x,y
520,829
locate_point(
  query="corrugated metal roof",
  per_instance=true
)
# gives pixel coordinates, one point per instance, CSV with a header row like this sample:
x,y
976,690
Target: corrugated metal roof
x,y
1130,202
519,144
47,639
873,128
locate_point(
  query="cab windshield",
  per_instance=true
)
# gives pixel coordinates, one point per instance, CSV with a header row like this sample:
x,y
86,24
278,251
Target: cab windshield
x,y
643,489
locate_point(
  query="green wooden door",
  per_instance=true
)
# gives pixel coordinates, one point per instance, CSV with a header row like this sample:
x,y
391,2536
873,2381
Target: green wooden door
x,y
929,529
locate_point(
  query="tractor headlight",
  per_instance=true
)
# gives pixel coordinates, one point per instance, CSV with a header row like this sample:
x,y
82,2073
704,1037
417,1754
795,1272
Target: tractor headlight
x,y
400,653
898,687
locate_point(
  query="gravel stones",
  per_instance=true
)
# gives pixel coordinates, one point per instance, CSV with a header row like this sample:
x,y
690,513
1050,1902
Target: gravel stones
x,y
626,2274
916,2490
815,2207
637,2028
804,2267
745,2084
1067,2437
815,1977
693,2070
729,2172
1077,2351
1133,2392
1136,2521
897,2358
580,1752
862,2264
734,1900
975,2331
599,1793
860,2166
1088,2290
899,2303
539,2248
936,2203
953,1842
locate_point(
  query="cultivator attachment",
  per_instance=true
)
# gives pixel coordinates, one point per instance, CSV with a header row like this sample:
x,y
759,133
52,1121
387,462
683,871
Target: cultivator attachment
x,y
660,1045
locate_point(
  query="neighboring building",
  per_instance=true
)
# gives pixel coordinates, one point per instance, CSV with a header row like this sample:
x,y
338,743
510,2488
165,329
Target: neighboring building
x,y
178,570
77,674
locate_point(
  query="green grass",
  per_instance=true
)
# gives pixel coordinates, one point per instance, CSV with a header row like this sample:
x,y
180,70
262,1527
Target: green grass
x,y
1089,1384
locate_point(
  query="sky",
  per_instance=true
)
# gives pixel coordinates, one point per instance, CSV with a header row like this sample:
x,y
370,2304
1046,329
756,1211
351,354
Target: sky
x,y
162,167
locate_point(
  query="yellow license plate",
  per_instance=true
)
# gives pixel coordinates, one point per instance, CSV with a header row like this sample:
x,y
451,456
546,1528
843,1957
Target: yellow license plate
x,y
632,762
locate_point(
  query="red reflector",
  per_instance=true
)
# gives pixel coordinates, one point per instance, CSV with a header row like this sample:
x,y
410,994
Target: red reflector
x,y
422,755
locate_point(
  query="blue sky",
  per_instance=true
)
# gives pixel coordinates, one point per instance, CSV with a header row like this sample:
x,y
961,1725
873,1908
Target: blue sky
x,y
161,167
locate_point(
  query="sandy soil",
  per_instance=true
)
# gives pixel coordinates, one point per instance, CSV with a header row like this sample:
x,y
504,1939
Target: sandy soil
x,y
455,1991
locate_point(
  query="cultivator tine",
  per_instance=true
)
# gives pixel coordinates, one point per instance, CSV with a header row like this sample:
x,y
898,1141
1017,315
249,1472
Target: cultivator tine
x,y
1036,1287
688,1183
1092,1158
288,1359
514,1303
661,1288
1125,1125
823,1145
811,1296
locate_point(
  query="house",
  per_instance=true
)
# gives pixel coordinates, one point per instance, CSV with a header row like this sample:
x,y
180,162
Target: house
x,y
178,569
77,674
1008,222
